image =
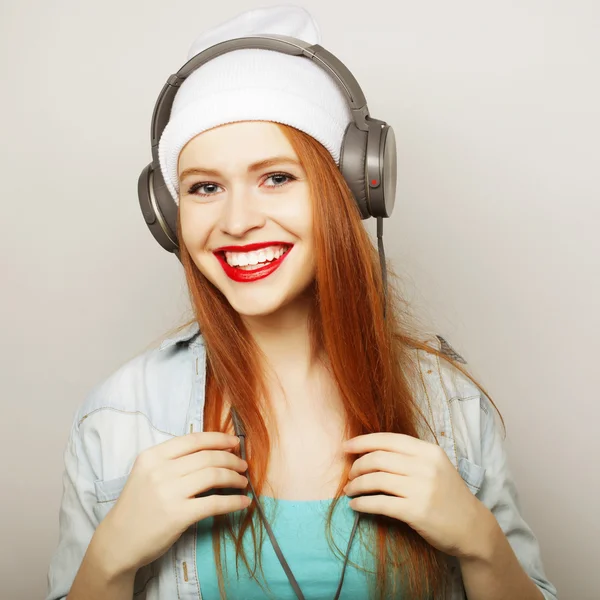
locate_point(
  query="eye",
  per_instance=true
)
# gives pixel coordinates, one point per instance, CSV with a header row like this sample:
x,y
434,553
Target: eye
x,y
197,186
284,175
209,187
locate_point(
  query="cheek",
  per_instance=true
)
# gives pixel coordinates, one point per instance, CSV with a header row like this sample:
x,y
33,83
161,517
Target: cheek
x,y
295,215
195,229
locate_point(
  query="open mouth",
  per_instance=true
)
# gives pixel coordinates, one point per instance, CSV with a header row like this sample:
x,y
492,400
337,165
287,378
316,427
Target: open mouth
x,y
255,264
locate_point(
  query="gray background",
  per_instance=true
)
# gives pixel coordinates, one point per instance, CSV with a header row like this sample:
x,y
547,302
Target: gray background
x,y
495,231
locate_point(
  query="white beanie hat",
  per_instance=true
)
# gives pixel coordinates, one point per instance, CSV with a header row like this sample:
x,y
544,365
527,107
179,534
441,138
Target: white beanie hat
x,y
255,85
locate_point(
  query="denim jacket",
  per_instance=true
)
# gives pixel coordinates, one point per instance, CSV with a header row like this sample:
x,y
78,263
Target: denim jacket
x,y
159,394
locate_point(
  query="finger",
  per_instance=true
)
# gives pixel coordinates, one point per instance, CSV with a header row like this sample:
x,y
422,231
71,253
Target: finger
x,y
387,483
392,442
382,460
192,442
207,458
207,479
201,508
390,506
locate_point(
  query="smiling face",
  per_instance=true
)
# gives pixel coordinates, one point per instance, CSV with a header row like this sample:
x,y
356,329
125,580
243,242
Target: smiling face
x,y
247,226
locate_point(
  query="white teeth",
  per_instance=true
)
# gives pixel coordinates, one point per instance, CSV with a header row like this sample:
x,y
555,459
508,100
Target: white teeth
x,y
242,259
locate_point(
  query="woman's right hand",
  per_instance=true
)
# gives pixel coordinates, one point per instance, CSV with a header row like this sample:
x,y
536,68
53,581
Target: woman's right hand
x,y
158,501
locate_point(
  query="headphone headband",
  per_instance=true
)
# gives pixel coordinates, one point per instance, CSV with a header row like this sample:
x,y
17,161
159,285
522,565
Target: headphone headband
x,y
279,43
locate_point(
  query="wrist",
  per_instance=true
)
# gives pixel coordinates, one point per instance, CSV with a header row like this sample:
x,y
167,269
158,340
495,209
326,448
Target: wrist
x,y
101,552
483,536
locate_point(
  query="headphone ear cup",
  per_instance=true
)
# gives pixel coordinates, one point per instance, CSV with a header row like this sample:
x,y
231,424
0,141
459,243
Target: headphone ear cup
x,y
381,156
353,156
158,208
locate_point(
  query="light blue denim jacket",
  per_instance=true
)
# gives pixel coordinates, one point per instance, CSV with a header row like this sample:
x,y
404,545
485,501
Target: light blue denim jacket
x,y
160,394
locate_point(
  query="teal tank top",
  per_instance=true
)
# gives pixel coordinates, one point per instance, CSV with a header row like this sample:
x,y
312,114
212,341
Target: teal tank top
x,y
299,528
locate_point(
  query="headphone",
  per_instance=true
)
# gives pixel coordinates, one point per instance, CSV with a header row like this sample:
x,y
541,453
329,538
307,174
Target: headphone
x,y
367,156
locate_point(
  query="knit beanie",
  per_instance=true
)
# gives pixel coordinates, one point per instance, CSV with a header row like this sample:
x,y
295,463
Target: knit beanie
x,y
255,85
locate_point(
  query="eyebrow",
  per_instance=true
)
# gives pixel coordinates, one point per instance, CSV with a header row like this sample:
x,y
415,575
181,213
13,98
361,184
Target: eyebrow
x,y
257,166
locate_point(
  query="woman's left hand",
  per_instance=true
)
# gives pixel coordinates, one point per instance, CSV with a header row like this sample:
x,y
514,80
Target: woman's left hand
x,y
418,485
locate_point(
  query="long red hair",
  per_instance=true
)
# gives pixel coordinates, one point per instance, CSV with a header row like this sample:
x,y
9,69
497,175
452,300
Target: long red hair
x,y
368,358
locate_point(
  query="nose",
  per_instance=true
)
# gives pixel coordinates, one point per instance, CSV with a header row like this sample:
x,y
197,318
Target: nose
x,y
240,214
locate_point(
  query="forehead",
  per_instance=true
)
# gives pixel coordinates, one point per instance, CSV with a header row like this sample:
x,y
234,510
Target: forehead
x,y
234,146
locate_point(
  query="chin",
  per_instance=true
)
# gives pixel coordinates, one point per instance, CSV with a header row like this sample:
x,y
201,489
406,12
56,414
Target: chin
x,y
256,308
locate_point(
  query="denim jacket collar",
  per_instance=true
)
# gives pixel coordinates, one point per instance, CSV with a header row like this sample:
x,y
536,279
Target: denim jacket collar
x,y
185,335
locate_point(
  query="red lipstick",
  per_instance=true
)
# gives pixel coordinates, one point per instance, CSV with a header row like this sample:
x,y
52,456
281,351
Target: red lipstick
x,y
251,247
248,275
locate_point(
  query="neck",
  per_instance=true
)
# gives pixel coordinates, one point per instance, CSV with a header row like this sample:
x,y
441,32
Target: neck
x,y
298,378
284,340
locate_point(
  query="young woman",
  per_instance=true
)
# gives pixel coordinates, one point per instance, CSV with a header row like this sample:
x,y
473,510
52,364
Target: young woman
x,y
373,462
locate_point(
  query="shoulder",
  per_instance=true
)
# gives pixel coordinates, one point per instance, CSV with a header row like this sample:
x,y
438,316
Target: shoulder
x,y
155,384
144,402
441,382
